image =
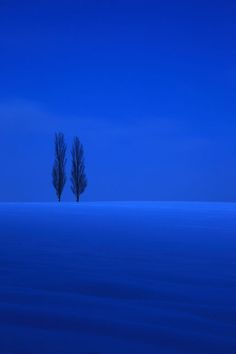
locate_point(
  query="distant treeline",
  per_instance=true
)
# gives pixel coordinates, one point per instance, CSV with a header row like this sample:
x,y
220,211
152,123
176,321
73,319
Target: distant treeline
x,y
78,177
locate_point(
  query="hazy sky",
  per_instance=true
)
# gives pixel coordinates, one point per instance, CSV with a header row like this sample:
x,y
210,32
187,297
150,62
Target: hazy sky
x,y
148,86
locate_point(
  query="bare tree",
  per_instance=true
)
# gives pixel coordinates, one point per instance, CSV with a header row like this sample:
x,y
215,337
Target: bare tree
x,y
59,172
78,176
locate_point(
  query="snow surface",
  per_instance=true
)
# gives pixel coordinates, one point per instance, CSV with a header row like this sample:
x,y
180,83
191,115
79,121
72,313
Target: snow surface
x,y
118,278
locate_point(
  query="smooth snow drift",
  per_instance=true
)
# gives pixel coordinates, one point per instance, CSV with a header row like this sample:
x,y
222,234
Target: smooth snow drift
x,y
118,278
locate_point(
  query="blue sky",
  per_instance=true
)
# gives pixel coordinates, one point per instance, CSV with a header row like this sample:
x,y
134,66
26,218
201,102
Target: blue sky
x,y
148,86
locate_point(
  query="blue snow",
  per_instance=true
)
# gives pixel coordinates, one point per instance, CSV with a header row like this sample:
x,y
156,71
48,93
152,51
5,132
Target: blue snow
x,y
118,278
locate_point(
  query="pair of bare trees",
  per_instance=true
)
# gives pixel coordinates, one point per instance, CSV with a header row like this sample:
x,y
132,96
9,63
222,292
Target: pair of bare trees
x,y
78,176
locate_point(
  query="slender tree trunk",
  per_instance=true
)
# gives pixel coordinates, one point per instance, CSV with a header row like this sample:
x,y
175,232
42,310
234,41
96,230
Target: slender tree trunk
x,y
58,171
78,177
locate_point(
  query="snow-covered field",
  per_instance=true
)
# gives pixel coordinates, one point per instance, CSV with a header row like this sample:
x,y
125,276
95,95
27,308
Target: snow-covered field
x,y
118,278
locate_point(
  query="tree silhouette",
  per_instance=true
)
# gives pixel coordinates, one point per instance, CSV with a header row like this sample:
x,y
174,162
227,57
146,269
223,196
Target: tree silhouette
x,y
78,177
58,172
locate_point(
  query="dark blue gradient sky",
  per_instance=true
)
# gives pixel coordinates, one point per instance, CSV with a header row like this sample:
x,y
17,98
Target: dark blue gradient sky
x,y
148,86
